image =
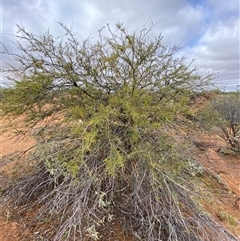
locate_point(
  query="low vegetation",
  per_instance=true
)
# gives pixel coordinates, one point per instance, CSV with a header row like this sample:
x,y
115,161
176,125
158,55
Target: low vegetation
x,y
223,116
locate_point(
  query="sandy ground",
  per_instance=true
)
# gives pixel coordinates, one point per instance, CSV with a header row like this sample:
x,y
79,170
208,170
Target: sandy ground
x,y
9,143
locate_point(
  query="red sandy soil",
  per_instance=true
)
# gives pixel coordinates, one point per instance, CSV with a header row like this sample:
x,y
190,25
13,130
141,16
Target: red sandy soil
x,y
226,168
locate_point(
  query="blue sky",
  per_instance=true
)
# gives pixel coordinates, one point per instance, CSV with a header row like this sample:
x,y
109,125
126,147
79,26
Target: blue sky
x,y
207,30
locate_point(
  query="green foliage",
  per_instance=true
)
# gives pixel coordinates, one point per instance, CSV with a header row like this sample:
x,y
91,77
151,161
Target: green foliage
x,y
110,157
29,96
224,216
63,74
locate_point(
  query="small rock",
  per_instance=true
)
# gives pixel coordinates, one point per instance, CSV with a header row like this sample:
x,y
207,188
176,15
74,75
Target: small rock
x,y
227,151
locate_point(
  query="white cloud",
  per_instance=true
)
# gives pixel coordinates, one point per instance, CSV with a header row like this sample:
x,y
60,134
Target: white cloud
x,y
207,30
92,14
218,49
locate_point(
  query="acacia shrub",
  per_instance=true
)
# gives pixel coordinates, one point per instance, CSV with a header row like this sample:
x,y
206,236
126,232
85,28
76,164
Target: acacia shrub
x,y
109,159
